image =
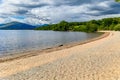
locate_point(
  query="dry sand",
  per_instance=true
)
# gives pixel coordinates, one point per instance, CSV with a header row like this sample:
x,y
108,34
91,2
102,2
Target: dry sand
x,y
98,60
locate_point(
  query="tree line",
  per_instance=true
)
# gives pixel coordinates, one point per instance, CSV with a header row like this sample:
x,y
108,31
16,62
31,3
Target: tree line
x,y
88,26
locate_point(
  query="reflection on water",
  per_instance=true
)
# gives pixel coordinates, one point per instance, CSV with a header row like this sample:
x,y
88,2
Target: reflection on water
x,y
20,40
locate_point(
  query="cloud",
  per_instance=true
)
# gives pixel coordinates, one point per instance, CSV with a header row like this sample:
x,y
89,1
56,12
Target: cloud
x,y
52,11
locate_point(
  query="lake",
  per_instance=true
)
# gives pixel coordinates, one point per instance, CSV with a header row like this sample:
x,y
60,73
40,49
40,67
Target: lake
x,y
24,40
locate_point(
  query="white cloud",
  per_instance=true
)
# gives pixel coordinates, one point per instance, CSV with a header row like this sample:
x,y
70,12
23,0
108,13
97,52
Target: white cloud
x,y
52,11
35,20
1,20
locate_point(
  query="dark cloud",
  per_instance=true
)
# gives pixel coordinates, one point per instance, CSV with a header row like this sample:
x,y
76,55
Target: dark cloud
x,y
30,5
21,12
114,8
40,11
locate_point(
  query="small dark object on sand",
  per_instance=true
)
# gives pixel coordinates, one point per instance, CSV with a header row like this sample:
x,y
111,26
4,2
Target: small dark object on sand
x,y
60,45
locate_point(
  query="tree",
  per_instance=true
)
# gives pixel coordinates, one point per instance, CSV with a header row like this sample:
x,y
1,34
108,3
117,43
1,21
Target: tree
x,y
62,26
117,0
91,27
117,27
82,28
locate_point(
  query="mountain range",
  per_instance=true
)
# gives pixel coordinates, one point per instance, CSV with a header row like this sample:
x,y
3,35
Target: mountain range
x,y
16,26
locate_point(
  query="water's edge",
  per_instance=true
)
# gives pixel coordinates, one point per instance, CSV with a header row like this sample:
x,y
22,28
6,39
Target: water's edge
x,y
60,47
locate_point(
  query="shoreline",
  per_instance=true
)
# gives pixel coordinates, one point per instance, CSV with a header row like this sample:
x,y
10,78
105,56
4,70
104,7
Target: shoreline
x,y
32,53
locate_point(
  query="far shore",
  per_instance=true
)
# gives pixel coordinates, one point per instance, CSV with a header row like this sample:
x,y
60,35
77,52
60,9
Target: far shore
x,y
30,53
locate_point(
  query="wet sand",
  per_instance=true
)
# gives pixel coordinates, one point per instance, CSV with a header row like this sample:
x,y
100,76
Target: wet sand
x,y
96,60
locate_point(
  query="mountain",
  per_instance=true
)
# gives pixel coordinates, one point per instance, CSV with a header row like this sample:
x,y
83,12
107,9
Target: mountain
x,y
2,24
42,25
16,26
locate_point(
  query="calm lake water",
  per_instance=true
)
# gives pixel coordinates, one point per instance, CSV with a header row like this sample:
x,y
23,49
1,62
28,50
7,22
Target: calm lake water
x,y
22,40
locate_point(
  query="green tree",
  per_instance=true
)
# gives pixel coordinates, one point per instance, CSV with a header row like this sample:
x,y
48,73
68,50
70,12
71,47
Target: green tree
x,y
117,27
82,28
91,27
62,26
117,0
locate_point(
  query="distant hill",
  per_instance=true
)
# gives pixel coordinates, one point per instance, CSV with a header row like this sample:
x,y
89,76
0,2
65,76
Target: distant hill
x,y
16,26
2,24
42,25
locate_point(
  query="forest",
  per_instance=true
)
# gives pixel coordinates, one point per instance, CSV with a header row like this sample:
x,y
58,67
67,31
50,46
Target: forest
x,y
88,26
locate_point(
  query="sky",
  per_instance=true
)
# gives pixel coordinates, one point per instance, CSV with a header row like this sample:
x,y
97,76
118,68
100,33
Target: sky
x,y
37,12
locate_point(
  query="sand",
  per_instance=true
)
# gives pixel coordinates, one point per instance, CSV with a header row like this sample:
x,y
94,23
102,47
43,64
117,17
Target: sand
x,y
97,60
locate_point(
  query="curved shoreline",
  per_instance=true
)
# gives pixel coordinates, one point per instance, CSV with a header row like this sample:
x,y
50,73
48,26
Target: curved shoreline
x,y
48,50
35,59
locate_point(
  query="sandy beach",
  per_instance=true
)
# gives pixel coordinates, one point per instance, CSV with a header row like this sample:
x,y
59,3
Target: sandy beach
x,y
97,60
